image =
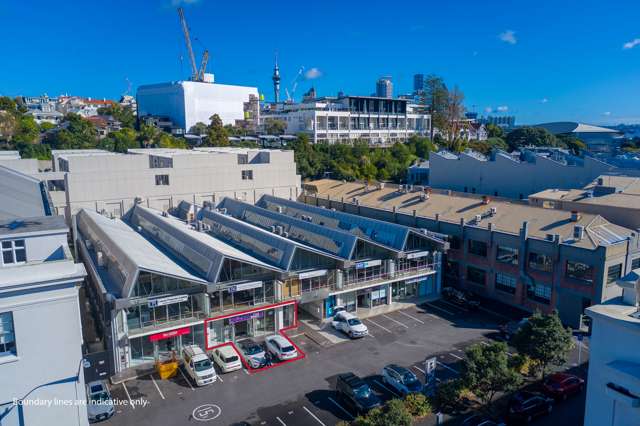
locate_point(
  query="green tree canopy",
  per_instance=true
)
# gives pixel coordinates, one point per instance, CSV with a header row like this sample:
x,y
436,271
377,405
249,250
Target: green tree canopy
x,y
120,141
76,133
530,136
216,133
494,131
124,114
275,127
544,339
199,129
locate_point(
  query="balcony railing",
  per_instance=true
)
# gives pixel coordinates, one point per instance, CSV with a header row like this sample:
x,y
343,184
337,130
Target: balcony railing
x,y
385,276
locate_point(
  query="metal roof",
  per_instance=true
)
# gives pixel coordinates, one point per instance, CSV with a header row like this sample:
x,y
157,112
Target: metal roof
x,y
21,195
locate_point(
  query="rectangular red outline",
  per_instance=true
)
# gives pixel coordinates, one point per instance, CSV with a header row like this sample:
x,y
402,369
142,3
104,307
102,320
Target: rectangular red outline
x,y
249,369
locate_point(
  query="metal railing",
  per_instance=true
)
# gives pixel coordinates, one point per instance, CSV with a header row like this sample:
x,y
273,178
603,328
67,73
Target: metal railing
x,y
384,276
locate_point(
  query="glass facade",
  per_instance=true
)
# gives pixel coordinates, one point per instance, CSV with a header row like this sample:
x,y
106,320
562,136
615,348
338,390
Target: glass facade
x,y
250,324
143,349
540,262
403,290
147,315
507,255
579,271
227,299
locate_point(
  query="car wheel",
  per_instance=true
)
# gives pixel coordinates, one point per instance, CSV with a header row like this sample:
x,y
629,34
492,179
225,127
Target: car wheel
x,y
350,334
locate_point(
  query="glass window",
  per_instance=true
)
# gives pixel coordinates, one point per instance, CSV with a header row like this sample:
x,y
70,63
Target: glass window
x,y
162,180
452,269
539,292
7,335
580,271
506,283
635,263
507,255
247,174
541,262
479,248
13,251
476,275
455,242
614,273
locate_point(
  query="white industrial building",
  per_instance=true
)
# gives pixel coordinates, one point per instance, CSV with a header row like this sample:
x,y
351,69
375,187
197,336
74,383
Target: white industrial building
x,y
186,103
380,121
597,139
613,390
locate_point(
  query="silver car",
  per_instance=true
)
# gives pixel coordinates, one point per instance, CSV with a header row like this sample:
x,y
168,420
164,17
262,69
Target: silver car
x,y
401,379
100,405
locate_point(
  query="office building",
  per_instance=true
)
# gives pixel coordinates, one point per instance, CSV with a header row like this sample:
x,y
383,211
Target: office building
x,y
384,88
41,356
379,121
418,84
517,174
241,270
507,122
613,385
616,198
598,139
186,103
528,257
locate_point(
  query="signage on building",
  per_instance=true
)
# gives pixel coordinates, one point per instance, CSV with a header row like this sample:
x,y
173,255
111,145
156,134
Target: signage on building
x,y
245,286
362,265
414,280
246,317
430,365
170,300
417,254
169,334
313,274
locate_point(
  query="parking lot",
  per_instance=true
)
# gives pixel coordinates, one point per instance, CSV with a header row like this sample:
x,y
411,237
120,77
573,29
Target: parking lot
x,y
303,392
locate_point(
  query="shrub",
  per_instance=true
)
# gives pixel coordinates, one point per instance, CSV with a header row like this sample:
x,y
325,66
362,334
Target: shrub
x,y
343,423
397,414
418,405
524,365
374,417
448,395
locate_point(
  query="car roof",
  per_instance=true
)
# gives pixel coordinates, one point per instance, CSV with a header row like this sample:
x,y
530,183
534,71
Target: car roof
x,y
278,338
560,377
226,350
352,380
248,343
398,369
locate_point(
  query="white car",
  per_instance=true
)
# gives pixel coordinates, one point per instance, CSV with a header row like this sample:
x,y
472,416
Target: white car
x,y
401,379
253,353
226,358
280,348
349,324
100,406
198,365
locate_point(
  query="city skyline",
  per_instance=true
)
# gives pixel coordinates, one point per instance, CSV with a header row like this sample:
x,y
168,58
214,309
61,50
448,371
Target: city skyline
x,y
529,62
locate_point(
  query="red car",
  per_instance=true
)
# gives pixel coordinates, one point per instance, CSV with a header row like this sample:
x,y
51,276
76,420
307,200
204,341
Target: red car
x,y
561,385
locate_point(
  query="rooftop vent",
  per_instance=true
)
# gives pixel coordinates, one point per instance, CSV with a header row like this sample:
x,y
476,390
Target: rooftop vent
x,y
600,181
575,216
478,218
493,211
578,232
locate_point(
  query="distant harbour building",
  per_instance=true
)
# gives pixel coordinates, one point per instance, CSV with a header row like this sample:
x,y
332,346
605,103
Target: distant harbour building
x,y
384,87
505,121
597,139
418,84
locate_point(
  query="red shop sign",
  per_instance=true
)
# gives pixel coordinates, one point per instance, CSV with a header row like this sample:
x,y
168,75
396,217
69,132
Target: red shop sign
x,y
169,334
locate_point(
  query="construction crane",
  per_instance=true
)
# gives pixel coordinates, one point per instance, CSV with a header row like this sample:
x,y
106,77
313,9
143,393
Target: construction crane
x,y
196,74
294,85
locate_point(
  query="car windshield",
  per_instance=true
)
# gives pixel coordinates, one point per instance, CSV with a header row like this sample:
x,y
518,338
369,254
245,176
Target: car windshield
x,y
203,365
354,321
288,348
231,358
252,349
100,397
363,391
409,377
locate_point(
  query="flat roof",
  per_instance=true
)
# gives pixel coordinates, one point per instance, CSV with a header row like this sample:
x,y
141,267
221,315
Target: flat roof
x,y
509,216
32,225
21,195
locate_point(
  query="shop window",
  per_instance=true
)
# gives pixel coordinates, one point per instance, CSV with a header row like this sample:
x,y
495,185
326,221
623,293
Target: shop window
x,y
13,252
506,283
579,271
539,292
540,262
479,248
476,275
614,272
7,335
162,180
507,255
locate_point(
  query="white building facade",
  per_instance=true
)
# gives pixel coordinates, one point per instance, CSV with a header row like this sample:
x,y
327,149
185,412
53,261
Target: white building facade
x,y
380,121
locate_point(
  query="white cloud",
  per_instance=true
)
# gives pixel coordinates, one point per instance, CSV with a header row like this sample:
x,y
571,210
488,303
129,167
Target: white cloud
x,y
544,100
312,74
475,53
508,36
631,44
502,108
488,109
606,113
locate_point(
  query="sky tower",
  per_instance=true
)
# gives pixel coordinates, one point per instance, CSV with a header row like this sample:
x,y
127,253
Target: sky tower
x,y
276,81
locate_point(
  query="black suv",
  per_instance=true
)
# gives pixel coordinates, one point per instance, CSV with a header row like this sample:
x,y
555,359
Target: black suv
x,y
356,393
465,300
525,406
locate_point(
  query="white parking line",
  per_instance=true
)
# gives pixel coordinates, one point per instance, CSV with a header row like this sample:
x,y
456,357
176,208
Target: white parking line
x,y
341,407
456,356
397,322
185,378
157,387
219,378
128,396
419,369
281,422
440,309
411,316
313,415
386,387
448,368
378,325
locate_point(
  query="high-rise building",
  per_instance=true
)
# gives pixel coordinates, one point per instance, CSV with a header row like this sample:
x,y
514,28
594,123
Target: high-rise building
x,y
418,83
384,87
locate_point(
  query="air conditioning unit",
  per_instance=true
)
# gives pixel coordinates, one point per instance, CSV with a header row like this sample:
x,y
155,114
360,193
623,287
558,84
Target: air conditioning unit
x,y
493,211
285,234
272,229
279,209
478,218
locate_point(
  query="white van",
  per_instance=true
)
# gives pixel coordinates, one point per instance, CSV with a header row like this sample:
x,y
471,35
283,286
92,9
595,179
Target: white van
x,y
226,358
198,365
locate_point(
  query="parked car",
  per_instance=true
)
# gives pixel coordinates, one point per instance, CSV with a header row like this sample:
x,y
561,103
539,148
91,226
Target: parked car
x,y
198,365
226,358
562,385
349,324
280,348
356,393
253,354
459,298
479,420
100,405
525,406
509,329
401,379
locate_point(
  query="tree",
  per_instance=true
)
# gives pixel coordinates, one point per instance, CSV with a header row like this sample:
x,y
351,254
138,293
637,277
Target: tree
x,y
494,131
76,133
120,140
27,130
199,129
396,414
421,146
544,339
216,133
8,104
436,98
486,371
124,114
530,136
417,404
8,125
574,144
37,151
454,115
148,134
275,127
167,141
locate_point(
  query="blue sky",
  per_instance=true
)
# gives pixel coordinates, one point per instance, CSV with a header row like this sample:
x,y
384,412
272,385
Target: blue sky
x,y
541,60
